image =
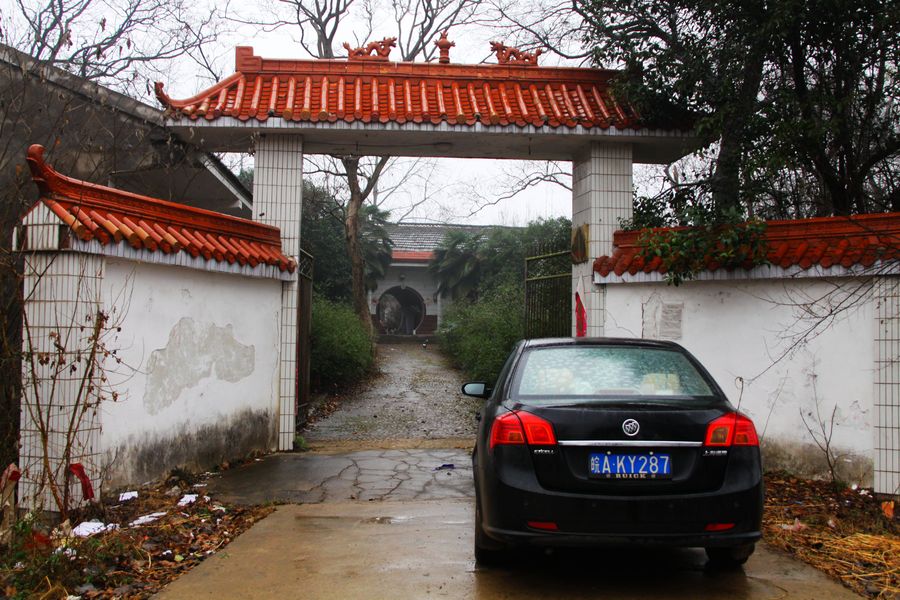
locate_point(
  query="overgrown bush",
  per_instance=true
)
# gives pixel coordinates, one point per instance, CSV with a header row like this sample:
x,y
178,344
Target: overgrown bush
x,y
479,335
341,350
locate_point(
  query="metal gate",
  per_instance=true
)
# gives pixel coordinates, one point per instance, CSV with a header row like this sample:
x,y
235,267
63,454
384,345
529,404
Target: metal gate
x,y
305,267
548,288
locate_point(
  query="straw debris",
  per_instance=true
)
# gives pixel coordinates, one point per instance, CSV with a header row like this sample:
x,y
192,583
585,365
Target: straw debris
x,y
845,532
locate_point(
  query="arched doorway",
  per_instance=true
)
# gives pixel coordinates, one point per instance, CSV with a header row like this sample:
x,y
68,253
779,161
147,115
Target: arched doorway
x,y
401,310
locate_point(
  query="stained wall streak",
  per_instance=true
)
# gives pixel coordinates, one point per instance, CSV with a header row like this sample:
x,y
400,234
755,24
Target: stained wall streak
x,y
150,456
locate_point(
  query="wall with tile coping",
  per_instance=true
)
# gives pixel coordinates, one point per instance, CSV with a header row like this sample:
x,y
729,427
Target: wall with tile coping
x,y
194,362
740,329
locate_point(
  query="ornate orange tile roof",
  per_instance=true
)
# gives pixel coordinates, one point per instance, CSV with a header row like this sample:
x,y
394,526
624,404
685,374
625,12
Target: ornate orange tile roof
x,y
109,215
825,242
371,89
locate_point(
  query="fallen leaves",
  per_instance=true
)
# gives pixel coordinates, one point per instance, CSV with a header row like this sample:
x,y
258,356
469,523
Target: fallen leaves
x,y
134,548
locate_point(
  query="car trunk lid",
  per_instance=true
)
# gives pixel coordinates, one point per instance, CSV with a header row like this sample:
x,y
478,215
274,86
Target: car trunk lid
x,y
633,447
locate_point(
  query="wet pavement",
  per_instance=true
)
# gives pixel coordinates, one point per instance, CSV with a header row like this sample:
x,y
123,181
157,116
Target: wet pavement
x,y
423,549
370,475
377,512
416,397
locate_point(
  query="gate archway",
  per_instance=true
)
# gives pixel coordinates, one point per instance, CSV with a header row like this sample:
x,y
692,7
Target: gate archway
x,y
366,104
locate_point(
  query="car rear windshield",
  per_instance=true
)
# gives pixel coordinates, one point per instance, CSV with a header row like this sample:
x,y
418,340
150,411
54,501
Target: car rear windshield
x,y
606,371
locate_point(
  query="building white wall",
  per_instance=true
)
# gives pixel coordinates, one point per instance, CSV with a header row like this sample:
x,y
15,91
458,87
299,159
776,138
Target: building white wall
x,y
418,278
199,377
745,330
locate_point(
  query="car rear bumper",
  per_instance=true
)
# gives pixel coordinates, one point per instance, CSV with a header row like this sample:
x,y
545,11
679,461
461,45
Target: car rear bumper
x,y
593,520
567,539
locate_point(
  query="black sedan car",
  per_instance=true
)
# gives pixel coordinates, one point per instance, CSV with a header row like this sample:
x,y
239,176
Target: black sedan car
x,y
589,442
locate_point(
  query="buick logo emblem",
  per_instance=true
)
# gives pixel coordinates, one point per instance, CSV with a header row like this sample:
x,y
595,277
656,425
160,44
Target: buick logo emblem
x,y
631,427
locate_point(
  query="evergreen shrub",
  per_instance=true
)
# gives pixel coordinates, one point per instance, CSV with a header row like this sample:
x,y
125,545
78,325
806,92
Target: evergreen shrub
x,y
478,335
342,351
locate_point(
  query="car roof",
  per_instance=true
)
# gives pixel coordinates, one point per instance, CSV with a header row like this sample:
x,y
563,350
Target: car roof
x,y
601,341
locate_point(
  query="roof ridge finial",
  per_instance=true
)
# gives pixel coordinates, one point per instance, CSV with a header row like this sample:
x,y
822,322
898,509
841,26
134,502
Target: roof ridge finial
x,y
507,55
40,170
444,46
161,95
381,49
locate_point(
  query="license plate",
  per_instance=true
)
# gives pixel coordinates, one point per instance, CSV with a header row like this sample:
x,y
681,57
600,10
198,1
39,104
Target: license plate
x,y
630,466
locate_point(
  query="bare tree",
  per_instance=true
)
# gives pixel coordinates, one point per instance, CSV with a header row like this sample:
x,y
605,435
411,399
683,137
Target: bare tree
x,y
112,43
316,25
554,25
90,131
518,177
65,381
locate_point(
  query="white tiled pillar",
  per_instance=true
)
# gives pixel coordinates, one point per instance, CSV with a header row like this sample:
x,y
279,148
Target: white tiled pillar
x,y
887,385
62,304
601,197
277,198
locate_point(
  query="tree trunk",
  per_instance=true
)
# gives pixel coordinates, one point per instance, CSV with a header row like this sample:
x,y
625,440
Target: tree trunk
x,y
354,243
725,183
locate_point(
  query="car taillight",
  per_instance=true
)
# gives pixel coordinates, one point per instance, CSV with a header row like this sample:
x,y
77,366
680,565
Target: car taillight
x,y
719,526
731,430
507,429
518,426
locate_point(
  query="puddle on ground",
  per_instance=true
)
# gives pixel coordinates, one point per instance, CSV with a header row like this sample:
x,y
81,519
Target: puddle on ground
x,y
386,520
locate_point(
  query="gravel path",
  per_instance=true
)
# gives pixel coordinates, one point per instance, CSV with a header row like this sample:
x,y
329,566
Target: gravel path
x,y
416,396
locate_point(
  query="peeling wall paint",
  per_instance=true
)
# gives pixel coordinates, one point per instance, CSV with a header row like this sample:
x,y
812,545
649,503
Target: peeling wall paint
x,y
194,351
199,374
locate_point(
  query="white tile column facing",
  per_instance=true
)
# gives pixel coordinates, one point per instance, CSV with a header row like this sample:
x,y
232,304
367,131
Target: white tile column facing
x,y
63,302
601,197
887,385
277,200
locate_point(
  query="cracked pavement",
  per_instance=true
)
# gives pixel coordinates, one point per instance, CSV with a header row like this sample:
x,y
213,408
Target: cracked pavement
x,y
383,444
371,475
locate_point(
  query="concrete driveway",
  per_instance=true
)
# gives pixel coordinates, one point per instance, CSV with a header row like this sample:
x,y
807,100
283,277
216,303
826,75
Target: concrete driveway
x,y
397,524
423,549
383,508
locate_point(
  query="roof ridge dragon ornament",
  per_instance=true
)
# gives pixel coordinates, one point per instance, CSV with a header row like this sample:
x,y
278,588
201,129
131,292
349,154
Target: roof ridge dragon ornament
x,y
378,50
508,55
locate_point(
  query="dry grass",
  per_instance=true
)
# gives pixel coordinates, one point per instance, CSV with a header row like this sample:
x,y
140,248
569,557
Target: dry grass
x,y
842,531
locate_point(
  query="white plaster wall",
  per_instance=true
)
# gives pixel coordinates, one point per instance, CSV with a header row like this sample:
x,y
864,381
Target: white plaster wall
x,y
740,329
200,354
417,278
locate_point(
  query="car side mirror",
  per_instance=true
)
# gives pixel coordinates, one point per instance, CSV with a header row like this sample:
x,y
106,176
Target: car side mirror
x,y
477,389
